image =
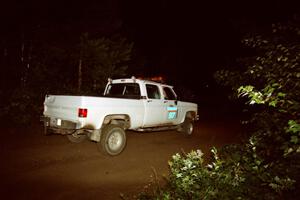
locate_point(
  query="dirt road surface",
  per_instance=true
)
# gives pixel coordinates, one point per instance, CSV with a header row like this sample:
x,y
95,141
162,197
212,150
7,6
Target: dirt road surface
x,y
34,166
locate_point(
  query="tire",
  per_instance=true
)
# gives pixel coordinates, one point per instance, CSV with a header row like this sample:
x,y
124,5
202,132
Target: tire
x,y
76,138
187,127
46,130
113,140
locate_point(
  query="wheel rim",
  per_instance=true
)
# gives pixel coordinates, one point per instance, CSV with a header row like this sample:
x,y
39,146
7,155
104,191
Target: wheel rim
x,y
74,135
115,141
190,129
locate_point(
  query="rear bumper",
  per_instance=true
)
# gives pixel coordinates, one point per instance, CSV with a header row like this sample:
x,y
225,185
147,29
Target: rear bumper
x,y
56,123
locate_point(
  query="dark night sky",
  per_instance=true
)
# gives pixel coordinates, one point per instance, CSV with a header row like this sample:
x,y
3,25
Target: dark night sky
x,y
197,35
175,38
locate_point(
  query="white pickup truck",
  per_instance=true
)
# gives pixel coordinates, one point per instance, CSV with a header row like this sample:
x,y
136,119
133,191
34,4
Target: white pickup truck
x,y
127,104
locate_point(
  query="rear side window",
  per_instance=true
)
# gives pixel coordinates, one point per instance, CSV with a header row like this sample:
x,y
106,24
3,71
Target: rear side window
x,y
152,91
126,90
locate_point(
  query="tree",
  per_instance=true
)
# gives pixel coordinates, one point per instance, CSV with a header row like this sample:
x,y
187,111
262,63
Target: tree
x,y
271,80
100,59
52,71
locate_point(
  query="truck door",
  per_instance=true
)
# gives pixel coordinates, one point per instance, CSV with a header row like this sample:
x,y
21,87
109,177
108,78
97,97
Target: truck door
x,y
154,107
172,110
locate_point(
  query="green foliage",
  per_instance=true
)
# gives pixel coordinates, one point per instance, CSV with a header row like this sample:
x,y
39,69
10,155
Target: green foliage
x,y
267,165
277,70
266,96
271,78
237,172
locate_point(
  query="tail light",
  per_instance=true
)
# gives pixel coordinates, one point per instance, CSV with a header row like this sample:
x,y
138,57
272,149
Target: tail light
x,y
82,112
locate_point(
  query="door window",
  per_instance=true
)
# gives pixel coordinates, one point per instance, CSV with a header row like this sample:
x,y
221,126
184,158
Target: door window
x,y
169,94
152,91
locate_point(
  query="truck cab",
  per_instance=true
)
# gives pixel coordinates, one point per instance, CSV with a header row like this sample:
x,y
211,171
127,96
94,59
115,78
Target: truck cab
x,y
161,105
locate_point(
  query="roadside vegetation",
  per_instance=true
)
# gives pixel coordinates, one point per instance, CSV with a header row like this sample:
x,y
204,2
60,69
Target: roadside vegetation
x,y
266,165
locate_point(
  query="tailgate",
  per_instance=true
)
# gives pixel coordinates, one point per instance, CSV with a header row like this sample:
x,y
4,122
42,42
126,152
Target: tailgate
x,y
63,107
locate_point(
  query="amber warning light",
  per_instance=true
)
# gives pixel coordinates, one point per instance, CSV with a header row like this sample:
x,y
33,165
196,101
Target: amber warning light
x,y
82,112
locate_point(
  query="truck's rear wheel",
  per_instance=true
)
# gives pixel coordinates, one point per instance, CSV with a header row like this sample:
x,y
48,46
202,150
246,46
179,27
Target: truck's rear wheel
x,y
113,140
46,130
76,138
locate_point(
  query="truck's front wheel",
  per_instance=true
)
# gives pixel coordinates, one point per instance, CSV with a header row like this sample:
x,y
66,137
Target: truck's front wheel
x,y
187,127
113,140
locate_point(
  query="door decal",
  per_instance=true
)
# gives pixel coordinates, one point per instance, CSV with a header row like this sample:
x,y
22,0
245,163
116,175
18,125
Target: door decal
x,y
172,112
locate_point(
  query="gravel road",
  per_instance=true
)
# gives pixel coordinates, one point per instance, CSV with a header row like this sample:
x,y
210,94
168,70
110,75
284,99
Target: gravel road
x,y
35,166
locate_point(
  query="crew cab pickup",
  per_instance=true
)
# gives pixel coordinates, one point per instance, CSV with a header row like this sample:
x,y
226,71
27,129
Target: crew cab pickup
x,y
126,104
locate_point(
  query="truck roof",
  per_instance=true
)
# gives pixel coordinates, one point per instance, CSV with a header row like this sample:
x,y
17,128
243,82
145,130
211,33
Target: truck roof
x,y
137,80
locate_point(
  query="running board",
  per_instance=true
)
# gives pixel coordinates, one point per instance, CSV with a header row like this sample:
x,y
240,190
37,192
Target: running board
x,y
162,128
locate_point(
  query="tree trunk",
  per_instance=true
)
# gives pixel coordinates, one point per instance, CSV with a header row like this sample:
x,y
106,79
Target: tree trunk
x,y
79,73
24,71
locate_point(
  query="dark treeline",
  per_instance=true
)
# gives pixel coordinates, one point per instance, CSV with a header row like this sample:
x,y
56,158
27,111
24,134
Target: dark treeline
x,y
34,63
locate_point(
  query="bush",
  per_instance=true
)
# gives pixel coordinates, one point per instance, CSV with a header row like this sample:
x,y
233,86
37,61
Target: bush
x,y
237,173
